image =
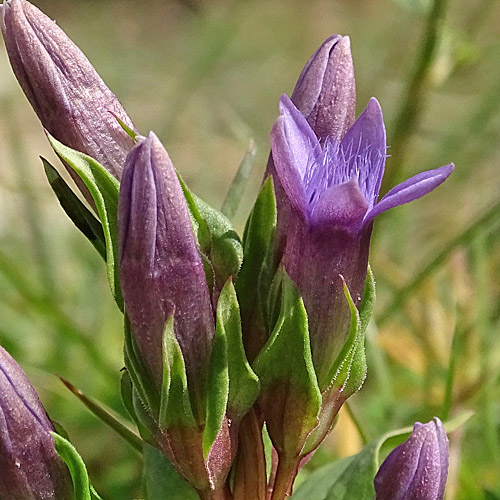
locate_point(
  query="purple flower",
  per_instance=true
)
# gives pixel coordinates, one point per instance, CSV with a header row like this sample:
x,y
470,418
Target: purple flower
x,y
29,464
332,188
418,468
69,97
161,269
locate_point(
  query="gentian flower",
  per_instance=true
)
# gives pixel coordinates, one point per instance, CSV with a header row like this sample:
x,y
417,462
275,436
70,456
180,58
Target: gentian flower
x,y
69,97
162,277
418,468
160,267
30,467
332,188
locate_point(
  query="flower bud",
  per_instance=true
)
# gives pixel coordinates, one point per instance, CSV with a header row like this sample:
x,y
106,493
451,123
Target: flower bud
x,y
69,97
418,468
161,269
325,92
167,301
29,464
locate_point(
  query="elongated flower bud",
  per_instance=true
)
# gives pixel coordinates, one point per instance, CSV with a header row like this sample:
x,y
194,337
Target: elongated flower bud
x,y
418,468
325,92
30,467
69,97
160,267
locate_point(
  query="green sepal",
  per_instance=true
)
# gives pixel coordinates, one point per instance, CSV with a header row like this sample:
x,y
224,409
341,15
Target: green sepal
x,y
175,403
352,477
233,386
104,189
127,392
161,480
349,370
368,300
79,475
200,227
217,240
138,373
79,214
290,395
258,266
226,251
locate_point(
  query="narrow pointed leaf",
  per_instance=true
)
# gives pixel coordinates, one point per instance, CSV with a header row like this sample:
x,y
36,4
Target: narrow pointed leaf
x,y
104,189
100,412
235,192
81,216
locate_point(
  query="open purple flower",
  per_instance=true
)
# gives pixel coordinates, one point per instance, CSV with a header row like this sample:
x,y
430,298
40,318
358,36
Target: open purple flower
x,y
332,187
418,468
29,464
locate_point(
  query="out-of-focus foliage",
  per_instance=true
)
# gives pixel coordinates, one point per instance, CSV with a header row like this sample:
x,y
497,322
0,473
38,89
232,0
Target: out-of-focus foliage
x,y
206,76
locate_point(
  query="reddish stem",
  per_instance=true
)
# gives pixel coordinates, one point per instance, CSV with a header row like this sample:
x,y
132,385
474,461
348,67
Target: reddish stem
x,y
285,476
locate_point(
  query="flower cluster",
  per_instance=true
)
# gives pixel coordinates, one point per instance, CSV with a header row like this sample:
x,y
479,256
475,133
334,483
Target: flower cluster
x,y
223,335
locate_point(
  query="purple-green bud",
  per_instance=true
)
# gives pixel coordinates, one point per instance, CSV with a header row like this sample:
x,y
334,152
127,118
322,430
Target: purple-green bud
x,y
69,97
418,468
161,269
30,467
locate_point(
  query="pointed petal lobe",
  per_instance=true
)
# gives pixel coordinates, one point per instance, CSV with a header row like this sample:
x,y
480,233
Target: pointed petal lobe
x,y
411,189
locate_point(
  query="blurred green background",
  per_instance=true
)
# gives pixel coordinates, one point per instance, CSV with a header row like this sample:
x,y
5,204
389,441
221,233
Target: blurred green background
x,y
206,76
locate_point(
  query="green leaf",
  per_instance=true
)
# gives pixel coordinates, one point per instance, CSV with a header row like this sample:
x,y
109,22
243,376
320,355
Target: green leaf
x,y
104,415
258,266
233,386
175,404
81,216
235,192
290,396
161,480
218,243
104,189
352,477
77,469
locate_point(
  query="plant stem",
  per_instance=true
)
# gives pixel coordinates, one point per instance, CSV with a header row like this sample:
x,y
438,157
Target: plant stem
x,y
223,494
250,464
406,120
285,475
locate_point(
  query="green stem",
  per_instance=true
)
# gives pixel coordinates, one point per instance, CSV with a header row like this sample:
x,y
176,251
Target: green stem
x,y
285,476
407,118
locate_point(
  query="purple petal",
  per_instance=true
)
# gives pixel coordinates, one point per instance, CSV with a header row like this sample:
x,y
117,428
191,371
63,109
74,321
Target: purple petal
x,y
411,189
341,205
293,147
364,147
325,92
302,140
